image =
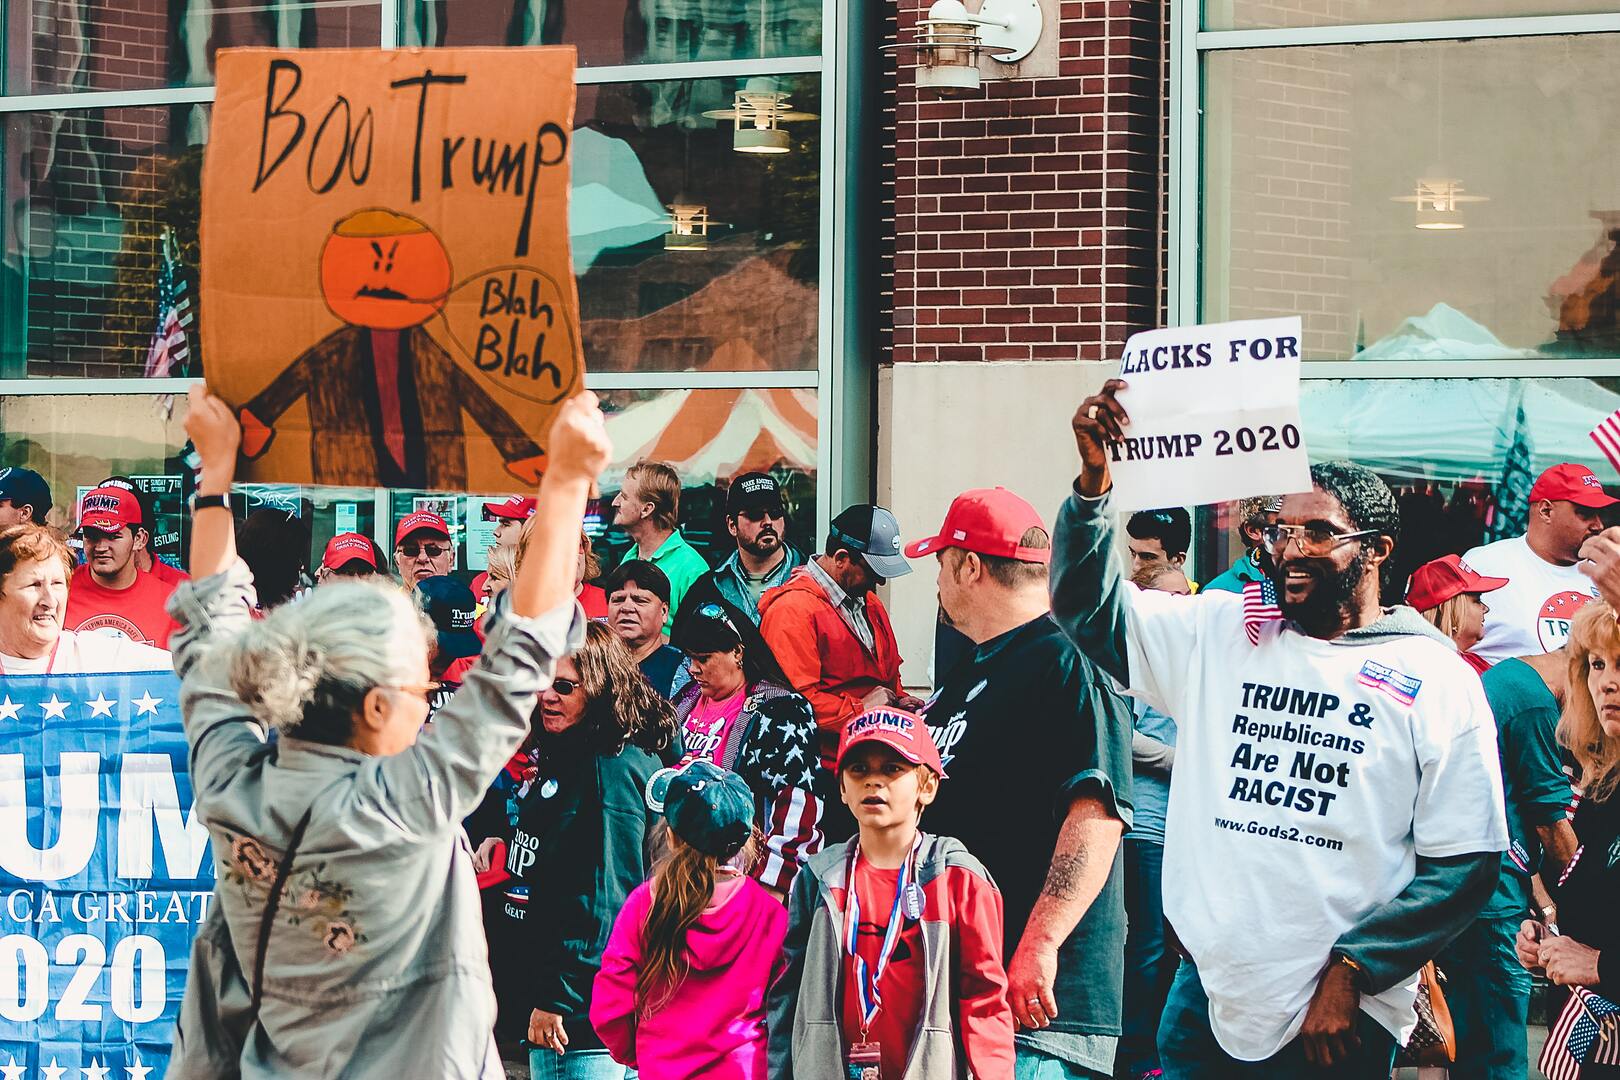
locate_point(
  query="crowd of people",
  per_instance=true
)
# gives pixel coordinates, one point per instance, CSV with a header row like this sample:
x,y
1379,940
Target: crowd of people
x,y
678,820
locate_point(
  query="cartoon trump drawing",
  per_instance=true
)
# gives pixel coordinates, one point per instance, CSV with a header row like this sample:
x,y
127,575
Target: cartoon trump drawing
x,y
385,399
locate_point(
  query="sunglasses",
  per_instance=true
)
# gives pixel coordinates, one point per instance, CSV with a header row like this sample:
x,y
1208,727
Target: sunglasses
x,y
425,691
774,513
433,551
564,687
1314,542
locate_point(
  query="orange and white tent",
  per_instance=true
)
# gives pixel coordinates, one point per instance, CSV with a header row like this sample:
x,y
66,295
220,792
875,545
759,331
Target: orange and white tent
x,y
712,435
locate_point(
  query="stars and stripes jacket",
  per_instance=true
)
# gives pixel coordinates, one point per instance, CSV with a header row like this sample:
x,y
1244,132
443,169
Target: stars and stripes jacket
x,y
772,746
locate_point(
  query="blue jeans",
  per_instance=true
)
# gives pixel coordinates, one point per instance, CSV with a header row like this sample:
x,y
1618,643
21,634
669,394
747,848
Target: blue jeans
x,y
574,1065
1489,996
1148,966
1033,1065
1188,1050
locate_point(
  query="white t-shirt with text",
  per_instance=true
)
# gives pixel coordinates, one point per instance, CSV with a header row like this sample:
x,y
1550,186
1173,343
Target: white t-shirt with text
x,y
1530,614
1309,776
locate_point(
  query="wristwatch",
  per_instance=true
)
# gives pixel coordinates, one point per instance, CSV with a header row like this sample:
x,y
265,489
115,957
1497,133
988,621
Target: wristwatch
x,y
203,502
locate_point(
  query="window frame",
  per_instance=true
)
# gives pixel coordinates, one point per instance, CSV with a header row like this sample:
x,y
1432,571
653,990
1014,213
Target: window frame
x,y
842,378
1190,44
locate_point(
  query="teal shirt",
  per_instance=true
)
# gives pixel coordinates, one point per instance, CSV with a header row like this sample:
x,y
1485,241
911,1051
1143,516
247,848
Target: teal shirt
x,y
1532,776
1242,573
682,564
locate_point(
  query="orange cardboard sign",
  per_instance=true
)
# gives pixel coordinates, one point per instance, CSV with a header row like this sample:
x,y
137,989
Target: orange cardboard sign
x,y
387,296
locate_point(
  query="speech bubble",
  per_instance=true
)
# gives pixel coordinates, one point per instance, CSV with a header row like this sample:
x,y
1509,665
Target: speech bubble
x,y
513,327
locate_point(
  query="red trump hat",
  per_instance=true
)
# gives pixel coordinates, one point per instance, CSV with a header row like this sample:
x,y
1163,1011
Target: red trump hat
x,y
345,548
903,732
108,509
990,521
1571,483
1435,582
421,521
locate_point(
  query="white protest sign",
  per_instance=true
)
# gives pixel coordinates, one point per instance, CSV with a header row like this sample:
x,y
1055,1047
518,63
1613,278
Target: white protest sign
x,y
1214,415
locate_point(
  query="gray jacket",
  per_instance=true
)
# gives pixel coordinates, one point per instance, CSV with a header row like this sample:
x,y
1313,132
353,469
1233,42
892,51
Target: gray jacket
x,y
377,965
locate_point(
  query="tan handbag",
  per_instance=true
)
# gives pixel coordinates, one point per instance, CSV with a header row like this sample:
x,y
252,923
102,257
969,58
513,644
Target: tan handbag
x,y
1434,1040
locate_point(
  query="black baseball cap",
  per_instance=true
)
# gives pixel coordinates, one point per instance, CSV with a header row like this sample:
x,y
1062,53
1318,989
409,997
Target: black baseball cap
x,y
453,608
25,487
706,806
874,532
754,491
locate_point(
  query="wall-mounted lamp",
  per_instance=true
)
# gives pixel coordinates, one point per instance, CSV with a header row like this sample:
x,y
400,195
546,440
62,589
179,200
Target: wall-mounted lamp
x,y
757,114
688,227
1439,203
950,39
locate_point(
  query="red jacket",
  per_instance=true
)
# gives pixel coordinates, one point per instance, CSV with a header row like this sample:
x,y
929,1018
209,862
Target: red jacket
x,y
823,658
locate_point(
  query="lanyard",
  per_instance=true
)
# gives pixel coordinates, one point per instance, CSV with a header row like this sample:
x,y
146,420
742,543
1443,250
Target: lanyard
x,y
866,982
50,663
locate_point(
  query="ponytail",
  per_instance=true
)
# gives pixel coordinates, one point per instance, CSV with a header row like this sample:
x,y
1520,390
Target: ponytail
x,y
682,887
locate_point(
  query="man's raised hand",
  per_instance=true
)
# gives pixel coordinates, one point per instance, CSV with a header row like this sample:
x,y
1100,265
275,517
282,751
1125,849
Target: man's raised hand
x,y
1100,420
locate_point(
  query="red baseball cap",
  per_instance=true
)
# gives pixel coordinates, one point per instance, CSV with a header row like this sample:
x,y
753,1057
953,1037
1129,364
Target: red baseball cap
x,y
345,548
990,521
903,732
108,509
421,521
513,509
1571,483
1435,582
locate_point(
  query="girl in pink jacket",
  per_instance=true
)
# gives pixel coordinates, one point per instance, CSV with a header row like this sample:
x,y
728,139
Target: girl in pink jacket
x,y
681,991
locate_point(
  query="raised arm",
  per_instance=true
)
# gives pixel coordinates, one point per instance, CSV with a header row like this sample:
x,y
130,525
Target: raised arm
x,y
474,735
214,605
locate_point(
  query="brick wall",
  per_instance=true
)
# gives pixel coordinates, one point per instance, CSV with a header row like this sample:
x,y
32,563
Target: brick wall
x,y
1026,222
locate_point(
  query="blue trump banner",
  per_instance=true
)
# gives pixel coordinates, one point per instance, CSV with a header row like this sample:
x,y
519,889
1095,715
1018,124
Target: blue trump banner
x,y
104,875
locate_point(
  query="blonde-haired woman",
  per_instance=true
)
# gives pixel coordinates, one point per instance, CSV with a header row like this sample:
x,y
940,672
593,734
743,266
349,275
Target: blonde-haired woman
x,y
1447,592
592,600
1586,949
346,938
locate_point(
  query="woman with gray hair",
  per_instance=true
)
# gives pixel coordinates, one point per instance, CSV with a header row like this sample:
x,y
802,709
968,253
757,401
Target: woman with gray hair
x,y
346,937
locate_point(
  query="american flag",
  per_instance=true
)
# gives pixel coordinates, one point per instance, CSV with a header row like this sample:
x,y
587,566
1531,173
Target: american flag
x,y
169,350
1607,436
1259,608
1584,1034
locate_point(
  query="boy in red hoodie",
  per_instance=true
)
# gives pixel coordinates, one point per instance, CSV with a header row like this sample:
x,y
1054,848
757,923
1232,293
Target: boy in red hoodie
x,y
893,948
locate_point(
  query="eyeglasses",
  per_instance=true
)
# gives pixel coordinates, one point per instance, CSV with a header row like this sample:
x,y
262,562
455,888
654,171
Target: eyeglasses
x,y
1313,541
564,687
433,551
425,691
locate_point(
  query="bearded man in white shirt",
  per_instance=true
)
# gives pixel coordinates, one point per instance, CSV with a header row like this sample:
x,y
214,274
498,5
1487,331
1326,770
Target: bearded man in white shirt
x,y
1545,589
1336,813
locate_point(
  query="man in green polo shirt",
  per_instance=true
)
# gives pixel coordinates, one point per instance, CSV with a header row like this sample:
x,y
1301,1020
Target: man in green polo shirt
x,y
647,508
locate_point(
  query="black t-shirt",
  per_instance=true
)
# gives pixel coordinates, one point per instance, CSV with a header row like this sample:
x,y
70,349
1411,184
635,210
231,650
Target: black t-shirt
x,y
1024,725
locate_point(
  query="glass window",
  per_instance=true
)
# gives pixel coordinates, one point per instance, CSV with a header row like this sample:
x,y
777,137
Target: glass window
x,y
101,233
710,436
76,441
100,206
1430,200
58,48
1460,454
623,31
738,291
1272,14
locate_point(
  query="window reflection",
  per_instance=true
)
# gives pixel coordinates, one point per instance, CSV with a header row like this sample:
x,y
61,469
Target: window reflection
x,y
1316,159
100,234
1460,454
624,31
1272,14
66,47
